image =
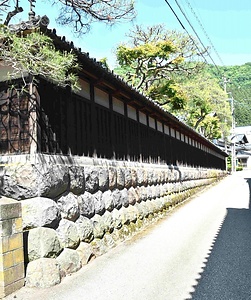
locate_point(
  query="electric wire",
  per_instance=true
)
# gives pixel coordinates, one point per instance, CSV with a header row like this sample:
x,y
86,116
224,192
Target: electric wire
x,y
220,73
199,39
204,31
210,41
181,24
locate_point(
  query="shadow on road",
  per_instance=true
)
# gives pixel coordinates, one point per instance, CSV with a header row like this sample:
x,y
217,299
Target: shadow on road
x,y
227,271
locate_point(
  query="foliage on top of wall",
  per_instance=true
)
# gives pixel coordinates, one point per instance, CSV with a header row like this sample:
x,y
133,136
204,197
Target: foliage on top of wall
x,y
35,54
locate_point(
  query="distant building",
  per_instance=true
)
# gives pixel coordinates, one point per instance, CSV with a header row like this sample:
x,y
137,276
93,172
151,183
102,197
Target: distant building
x,y
243,145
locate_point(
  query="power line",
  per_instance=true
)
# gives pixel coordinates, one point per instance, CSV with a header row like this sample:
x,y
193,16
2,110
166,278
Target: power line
x,y
181,24
199,39
203,29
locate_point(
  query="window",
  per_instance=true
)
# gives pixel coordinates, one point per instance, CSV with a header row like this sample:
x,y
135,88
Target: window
x,y
131,112
159,126
101,97
152,123
84,89
118,106
142,118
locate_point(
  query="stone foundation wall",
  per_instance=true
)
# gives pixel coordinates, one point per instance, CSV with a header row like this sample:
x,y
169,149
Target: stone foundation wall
x,y
75,209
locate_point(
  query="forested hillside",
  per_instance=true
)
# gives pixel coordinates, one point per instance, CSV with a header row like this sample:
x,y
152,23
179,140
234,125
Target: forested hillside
x,y
239,84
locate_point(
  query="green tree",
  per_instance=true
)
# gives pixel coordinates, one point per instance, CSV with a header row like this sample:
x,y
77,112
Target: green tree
x,y
151,58
239,87
35,54
169,94
207,109
166,65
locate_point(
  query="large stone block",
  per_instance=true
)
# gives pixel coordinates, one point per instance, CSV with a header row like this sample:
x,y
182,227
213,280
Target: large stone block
x,y
149,192
162,176
109,242
52,179
132,196
98,247
132,213
134,177
150,176
40,211
124,197
91,179
98,226
69,262
108,221
108,200
162,190
103,177
68,234
77,179
99,204
28,180
112,178
157,190
138,194
150,206
157,205
85,252
116,195
43,242
145,209
19,181
116,216
85,229
43,273
143,193
120,178
176,175
86,205
124,215
128,178
140,210
141,176
68,206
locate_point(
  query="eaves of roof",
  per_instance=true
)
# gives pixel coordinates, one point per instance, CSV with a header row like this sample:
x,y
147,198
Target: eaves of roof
x,y
106,78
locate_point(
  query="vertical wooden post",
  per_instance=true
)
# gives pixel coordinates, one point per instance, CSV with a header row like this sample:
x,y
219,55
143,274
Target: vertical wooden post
x,y
11,247
33,118
94,122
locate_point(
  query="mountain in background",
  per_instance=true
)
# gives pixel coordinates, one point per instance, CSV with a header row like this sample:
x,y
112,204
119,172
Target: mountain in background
x,y
238,80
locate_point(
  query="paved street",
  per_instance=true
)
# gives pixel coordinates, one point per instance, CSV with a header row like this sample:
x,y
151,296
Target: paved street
x,y
201,251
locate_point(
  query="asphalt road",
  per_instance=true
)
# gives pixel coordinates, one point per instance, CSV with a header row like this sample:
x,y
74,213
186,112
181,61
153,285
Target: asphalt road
x,y
201,251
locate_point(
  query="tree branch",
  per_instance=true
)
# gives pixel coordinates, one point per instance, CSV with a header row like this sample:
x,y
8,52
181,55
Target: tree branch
x,y
85,12
11,14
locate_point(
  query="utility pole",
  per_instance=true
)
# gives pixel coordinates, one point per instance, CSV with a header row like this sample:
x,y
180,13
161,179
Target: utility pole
x,y
225,81
231,99
233,137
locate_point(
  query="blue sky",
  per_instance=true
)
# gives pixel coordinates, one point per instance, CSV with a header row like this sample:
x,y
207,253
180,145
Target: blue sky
x,y
226,23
